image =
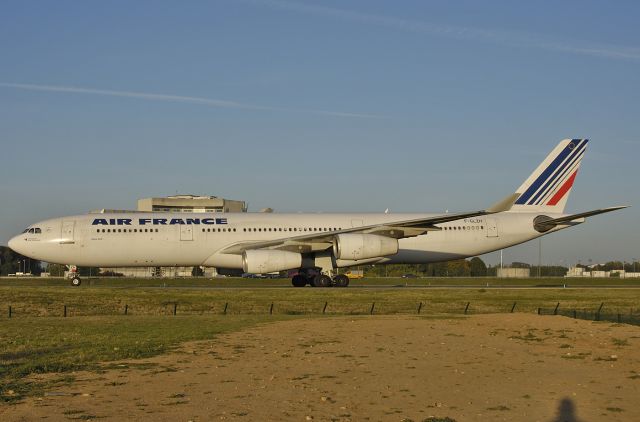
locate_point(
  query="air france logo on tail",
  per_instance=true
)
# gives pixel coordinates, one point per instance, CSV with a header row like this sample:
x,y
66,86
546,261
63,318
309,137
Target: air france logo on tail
x,y
553,179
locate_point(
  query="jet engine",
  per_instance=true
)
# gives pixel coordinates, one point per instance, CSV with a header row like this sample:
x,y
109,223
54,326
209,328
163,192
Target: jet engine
x,y
267,261
363,246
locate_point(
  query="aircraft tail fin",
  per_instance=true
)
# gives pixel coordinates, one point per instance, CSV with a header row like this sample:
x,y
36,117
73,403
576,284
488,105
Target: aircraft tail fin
x,y
548,187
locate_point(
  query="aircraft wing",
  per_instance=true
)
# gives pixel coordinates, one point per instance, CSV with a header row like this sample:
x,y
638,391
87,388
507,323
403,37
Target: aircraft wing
x,y
547,224
397,229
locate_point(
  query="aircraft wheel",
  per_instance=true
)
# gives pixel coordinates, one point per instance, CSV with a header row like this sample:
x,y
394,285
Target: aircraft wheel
x,y
321,280
341,280
75,281
299,280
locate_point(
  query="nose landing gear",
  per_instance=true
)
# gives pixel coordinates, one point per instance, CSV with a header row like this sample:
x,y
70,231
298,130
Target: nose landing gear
x,y
73,276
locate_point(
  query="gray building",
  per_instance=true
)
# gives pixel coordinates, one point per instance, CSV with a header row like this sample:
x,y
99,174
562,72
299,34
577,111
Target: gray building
x,y
191,203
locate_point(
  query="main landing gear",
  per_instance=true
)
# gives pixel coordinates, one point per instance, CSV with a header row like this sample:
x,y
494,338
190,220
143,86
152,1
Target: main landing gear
x,y
319,280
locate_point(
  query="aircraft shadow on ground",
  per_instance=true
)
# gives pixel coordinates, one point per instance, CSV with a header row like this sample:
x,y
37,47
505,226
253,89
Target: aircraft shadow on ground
x,y
566,412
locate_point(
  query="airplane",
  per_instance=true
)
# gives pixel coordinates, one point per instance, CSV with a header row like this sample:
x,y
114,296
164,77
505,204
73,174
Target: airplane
x,y
314,244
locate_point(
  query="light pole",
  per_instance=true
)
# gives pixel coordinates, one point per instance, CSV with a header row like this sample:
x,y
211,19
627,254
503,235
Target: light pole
x,y
539,256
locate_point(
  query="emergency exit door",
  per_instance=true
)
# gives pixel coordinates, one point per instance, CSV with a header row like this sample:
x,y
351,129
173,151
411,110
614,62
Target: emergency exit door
x,y
67,234
186,232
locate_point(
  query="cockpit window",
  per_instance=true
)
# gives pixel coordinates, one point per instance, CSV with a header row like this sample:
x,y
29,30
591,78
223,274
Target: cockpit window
x,y
37,230
34,230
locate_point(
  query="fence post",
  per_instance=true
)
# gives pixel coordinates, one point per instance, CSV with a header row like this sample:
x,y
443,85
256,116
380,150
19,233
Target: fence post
x,y
466,308
555,311
419,307
226,304
538,311
373,306
271,309
619,318
126,309
9,311
175,309
599,310
324,308
65,311
575,314
513,307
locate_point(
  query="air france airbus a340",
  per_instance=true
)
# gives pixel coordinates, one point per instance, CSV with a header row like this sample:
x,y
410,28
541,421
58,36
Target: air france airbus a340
x,y
314,244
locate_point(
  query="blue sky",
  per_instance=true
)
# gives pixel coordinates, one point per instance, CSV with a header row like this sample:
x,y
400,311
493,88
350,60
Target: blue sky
x,y
320,106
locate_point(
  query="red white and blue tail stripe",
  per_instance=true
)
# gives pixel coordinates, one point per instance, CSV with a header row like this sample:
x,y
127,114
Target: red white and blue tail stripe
x,y
548,187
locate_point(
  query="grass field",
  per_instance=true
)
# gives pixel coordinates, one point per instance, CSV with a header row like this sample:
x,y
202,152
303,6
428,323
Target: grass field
x,y
38,339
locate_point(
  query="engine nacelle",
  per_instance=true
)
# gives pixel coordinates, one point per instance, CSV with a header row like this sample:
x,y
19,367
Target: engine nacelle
x,y
363,246
268,261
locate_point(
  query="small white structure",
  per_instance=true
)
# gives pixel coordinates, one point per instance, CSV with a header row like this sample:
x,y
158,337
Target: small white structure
x,y
577,272
514,272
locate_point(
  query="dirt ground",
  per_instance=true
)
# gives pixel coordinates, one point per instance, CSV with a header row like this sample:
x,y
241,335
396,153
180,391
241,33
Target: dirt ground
x,y
512,367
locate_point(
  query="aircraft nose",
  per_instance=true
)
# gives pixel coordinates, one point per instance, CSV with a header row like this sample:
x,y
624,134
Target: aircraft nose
x,y
14,244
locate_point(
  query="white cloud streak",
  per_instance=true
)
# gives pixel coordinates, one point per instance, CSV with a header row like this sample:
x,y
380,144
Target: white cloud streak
x,y
510,38
181,99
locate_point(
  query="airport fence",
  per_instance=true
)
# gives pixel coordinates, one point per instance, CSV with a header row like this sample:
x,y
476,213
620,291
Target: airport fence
x,y
600,314
329,308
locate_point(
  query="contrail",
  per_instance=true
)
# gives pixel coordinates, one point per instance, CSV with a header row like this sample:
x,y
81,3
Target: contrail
x,y
510,38
181,99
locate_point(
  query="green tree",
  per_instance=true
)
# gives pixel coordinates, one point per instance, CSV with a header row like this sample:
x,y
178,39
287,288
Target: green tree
x,y
56,270
458,268
477,267
12,262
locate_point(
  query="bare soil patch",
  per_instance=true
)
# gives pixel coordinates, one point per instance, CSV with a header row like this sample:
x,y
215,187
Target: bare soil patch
x,y
508,367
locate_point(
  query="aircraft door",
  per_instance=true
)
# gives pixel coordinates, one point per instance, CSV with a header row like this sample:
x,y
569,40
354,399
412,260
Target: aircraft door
x,y
492,227
186,232
67,234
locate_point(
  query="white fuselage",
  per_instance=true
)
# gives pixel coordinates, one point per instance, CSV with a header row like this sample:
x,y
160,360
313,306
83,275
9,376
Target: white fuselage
x,y
194,239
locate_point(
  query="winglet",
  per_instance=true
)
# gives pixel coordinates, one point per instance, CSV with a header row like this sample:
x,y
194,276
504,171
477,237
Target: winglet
x,y
504,205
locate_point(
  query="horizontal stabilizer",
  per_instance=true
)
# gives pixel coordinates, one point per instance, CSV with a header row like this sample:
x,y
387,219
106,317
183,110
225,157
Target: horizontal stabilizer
x,y
544,223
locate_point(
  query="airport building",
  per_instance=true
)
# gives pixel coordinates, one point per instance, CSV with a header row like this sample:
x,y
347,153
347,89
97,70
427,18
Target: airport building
x,y
587,272
191,203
